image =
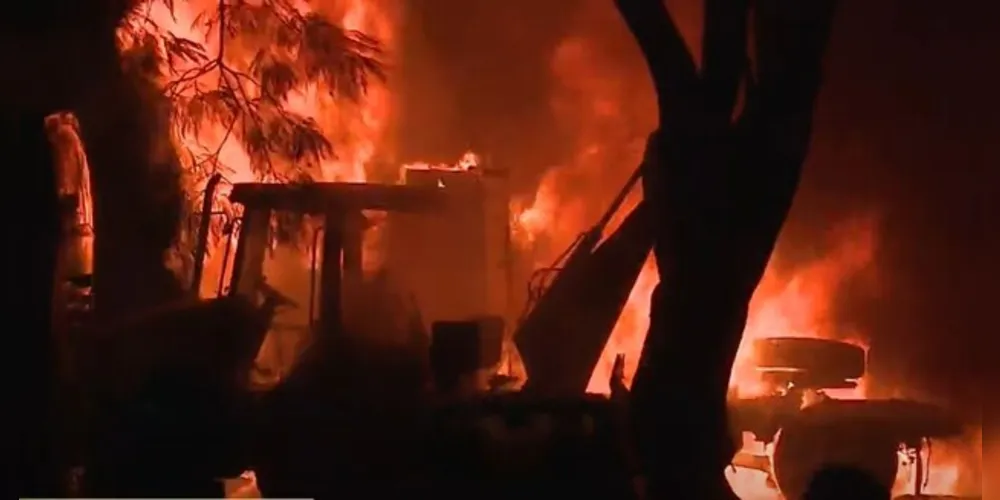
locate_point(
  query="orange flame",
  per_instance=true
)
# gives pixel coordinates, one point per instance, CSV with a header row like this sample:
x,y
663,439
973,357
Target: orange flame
x,y
600,106
356,130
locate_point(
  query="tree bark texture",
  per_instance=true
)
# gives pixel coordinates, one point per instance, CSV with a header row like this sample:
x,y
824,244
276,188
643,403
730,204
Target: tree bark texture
x,y
720,189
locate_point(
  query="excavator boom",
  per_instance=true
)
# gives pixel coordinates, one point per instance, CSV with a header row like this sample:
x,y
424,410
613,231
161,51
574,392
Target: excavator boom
x,y
561,338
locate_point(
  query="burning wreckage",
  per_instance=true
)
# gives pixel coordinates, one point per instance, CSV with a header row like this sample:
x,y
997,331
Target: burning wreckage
x,y
446,239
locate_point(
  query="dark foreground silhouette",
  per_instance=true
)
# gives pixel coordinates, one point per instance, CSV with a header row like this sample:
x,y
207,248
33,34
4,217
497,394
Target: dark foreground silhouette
x,y
845,483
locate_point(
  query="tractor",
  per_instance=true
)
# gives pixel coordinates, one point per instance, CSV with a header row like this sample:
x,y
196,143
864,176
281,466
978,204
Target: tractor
x,y
194,361
301,430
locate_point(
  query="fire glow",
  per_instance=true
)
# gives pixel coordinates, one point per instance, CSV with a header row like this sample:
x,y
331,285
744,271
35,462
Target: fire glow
x,y
793,299
356,130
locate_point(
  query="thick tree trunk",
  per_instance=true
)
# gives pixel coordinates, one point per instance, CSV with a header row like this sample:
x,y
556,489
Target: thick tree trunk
x,y
51,55
721,192
679,393
137,197
33,246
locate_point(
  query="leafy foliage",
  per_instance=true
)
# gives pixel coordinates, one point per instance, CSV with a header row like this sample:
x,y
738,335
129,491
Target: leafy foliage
x,y
266,50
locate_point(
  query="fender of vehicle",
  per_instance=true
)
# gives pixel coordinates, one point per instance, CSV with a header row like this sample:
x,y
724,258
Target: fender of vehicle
x,y
865,434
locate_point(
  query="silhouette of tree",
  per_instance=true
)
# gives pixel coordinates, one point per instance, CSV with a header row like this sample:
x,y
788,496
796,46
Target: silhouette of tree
x,y
720,180
52,69
277,50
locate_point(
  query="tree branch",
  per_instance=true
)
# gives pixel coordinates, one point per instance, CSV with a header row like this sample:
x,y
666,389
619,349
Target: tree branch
x,y
776,127
673,70
724,56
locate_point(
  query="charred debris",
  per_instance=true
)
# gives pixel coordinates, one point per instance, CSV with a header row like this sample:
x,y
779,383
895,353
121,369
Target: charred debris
x,y
164,407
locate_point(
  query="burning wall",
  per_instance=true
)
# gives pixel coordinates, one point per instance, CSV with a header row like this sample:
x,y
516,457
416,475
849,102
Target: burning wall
x,y
454,263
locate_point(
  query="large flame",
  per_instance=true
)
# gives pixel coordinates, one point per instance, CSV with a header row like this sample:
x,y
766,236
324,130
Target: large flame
x,y
608,115
793,299
356,130
796,297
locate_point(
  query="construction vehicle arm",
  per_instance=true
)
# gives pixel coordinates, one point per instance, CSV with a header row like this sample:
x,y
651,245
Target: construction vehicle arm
x,y
561,338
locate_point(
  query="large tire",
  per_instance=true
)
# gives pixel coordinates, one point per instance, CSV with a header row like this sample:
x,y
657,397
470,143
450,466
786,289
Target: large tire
x,y
820,358
807,444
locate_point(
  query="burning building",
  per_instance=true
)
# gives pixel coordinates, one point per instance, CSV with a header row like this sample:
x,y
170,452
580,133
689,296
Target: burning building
x,y
457,265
